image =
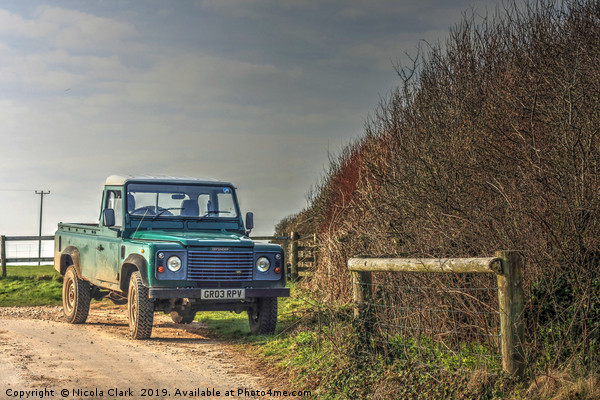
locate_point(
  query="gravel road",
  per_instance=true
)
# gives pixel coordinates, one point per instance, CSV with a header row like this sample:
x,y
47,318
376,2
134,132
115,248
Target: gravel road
x,y
40,351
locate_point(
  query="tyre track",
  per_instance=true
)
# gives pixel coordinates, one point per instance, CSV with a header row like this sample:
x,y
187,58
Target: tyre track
x,y
48,352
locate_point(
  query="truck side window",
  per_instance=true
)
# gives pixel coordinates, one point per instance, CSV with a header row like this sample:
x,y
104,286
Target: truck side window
x,y
114,200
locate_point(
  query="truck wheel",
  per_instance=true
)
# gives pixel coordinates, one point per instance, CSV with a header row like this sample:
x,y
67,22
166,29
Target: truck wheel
x,y
183,317
263,316
76,296
140,308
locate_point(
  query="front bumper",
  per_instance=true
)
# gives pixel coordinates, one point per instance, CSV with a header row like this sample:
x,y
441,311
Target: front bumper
x,y
194,293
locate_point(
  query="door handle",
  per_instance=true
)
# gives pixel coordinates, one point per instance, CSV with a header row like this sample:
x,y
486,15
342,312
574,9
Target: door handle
x,y
100,248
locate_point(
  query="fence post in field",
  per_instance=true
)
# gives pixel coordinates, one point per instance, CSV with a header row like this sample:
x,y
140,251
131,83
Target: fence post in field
x,y
361,295
3,254
294,256
361,291
510,299
284,247
315,251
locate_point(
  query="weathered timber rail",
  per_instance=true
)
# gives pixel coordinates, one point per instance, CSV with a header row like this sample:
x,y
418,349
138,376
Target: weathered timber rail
x,y
4,260
296,247
506,265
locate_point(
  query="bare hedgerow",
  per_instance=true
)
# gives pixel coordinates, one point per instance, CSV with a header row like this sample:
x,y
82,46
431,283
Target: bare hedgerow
x,y
492,142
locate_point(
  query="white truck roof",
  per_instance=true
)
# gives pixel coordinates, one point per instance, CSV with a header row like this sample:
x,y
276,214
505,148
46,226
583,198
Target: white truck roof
x,y
120,180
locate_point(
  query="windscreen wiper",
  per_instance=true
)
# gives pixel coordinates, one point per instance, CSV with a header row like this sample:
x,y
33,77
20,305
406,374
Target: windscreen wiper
x,y
166,209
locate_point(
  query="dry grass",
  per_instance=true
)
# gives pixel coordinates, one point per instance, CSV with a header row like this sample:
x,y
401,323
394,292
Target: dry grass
x,y
479,378
559,385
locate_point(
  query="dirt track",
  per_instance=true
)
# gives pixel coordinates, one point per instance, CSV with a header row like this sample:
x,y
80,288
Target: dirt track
x,y
96,360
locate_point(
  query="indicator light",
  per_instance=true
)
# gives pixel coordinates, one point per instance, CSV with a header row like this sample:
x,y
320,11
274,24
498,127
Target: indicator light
x,y
161,269
277,270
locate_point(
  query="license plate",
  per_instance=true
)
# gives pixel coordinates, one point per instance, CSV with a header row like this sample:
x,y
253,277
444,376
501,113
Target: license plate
x,y
222,294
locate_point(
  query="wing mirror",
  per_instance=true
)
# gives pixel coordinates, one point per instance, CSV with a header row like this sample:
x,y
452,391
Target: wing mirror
x,y
249,221
109,217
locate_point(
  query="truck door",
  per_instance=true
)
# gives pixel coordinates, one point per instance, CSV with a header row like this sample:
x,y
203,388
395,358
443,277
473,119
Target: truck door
x,y
108,241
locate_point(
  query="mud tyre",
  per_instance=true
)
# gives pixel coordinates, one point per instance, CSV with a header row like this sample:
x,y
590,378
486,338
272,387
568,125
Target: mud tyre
x,y
140,309
76,297
263,316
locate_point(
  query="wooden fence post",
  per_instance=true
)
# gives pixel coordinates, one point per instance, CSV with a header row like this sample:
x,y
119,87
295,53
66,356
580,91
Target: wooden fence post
x,y
315,251
361,291
284,247
3,254
510,299
294,256
362,296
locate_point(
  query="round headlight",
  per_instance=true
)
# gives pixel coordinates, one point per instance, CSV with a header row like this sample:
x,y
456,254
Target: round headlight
x,y
174,263
263,264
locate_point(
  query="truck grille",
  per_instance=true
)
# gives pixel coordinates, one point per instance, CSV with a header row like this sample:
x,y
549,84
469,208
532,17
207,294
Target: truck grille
x,y
220,266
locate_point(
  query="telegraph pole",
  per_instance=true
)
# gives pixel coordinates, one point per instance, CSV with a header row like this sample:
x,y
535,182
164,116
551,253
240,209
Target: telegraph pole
x,y
41,193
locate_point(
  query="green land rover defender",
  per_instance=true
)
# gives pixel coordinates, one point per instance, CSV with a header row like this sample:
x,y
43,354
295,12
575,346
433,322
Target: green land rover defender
x,y
171,244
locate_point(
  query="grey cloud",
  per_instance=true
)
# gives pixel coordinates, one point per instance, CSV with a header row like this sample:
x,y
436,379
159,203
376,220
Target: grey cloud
x,y
12,25
85,32
254,92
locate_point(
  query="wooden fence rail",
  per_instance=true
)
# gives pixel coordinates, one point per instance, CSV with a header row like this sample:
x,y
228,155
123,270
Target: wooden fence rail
x,y
292,248
4,260
506,265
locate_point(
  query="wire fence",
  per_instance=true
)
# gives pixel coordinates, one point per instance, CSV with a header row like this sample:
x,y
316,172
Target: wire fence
x,y
28,249
441,325
460,319
446,315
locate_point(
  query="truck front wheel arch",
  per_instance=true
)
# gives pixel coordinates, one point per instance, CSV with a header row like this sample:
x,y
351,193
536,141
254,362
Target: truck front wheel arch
x,y
131,264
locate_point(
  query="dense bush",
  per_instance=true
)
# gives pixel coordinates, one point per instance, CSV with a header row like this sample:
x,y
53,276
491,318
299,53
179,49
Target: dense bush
x,y
492,142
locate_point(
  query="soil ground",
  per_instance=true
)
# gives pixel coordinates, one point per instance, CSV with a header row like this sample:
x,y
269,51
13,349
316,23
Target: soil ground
x,y
96,360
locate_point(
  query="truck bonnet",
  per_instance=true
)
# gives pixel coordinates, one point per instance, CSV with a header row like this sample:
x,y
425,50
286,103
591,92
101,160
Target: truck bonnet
x,y
195,239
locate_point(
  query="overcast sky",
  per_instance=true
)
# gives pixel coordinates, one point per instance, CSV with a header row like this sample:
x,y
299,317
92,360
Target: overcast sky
x,y
255,92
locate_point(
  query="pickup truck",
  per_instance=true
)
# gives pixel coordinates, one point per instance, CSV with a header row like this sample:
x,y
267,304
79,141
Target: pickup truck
x,y
176,245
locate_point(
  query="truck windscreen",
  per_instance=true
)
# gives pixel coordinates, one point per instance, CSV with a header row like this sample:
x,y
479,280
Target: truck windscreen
x,y
193,201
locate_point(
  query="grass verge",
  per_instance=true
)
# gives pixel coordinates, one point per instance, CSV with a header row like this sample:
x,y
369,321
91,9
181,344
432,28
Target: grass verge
x,y
30,286
318,347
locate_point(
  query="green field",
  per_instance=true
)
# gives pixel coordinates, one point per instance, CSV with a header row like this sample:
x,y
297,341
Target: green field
x,y
30,285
